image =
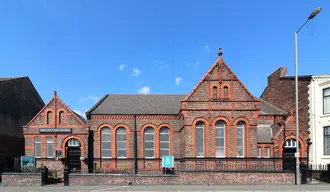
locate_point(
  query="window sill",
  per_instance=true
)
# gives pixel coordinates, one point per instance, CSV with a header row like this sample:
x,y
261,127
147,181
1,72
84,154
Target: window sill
x,y
325,115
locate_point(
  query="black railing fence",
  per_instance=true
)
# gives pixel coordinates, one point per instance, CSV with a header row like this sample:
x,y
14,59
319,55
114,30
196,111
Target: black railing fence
x,y
320,172
154,166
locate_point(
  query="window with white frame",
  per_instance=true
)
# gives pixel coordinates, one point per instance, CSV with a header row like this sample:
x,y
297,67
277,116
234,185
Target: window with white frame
x,y
290,143
121,142
267,152
106,142
326,100
326,140
164,141
259,152
49,147
240,139
149,142
37,147
220,128
73,143
199,139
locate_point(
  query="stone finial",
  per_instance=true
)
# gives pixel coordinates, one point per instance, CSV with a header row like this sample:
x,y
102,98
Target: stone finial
x,y
220,52
55,93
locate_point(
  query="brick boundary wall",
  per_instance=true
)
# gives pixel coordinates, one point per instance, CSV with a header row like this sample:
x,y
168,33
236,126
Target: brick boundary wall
x,y
21,179
202,178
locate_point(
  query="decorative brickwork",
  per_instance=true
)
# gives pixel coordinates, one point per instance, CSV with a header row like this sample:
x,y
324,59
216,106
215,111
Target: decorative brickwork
x,y
201,178
21,179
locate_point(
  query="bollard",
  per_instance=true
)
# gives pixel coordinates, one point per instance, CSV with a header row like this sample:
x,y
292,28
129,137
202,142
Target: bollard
x,y
44,175
304,170
66,176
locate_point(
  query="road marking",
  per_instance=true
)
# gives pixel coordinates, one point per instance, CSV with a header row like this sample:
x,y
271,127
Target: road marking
x,y
98,190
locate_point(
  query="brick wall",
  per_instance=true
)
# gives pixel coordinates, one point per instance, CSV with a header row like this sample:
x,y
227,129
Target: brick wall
x,y
280,91
21,179
69,119
201,178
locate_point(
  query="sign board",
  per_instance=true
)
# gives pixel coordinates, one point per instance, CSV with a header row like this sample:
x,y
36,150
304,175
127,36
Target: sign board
x,y
27,162
296,155
168,161
55,130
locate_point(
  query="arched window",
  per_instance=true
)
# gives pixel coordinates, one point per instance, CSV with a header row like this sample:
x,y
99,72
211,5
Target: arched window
x,y
37,147
61,117
106,142
149,142
199,139
49,147
164,141
290,143
73,143
220,143
240,127
214,92
49,117
121,142
225,92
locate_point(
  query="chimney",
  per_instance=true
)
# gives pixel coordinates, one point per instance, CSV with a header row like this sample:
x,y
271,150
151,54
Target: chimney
x,y
280,72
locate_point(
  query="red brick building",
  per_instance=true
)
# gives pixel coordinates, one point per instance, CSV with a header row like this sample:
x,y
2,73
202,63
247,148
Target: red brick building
x,y
219,118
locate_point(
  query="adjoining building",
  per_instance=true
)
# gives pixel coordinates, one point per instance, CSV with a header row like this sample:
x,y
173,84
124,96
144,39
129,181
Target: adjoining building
x,y
219,118
19,103
314,107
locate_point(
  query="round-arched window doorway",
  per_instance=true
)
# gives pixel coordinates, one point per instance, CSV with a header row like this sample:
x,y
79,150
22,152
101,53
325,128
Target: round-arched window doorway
x,y
73,152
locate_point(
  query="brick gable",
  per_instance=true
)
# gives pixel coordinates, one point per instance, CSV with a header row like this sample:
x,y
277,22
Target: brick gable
x,y
56,106
220,95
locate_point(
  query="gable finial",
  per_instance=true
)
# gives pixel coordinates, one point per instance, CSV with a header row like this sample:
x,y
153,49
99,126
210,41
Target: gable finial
x,y
220,52
55,93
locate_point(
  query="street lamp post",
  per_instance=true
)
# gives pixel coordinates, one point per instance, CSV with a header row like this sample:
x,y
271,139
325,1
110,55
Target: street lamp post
x,y
311,16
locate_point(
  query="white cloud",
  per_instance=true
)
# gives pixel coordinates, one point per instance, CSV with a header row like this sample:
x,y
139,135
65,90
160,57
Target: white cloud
x,y
178,80
80,113
144,90
95,98
158,61
205,49
195,65
136,72
121,67
161,63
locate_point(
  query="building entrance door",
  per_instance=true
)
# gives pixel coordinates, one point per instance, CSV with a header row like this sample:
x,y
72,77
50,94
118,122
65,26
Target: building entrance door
x,y
73,155
289,150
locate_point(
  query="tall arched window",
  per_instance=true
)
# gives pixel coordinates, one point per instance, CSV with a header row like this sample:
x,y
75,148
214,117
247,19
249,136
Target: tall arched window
x,y
106,142
164,141
149,142
240,127
214,92
225,92
121,142
37,147
61,117
220,142
199,139
49,117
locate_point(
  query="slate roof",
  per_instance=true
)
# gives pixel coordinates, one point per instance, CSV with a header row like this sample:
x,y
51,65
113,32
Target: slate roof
x,y
267,108
137,104
80,117
264,134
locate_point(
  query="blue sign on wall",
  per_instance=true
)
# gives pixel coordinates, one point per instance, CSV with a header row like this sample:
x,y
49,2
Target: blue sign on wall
x,y
168,161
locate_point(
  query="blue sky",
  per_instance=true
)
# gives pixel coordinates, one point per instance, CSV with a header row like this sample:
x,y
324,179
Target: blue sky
x,y
86,49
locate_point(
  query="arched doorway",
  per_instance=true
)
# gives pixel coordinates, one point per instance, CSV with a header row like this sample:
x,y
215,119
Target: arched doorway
x,y
289,150
73,152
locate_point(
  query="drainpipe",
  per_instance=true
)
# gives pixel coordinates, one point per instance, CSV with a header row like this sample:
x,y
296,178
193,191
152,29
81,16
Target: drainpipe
x,y
135,147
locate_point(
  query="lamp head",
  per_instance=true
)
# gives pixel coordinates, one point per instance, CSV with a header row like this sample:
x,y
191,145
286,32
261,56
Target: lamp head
x,y
315,12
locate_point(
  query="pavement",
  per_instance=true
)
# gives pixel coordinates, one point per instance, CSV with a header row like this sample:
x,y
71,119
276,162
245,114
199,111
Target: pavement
x,y
222,188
